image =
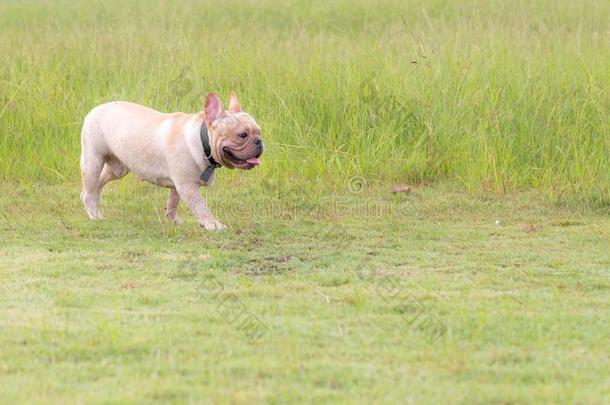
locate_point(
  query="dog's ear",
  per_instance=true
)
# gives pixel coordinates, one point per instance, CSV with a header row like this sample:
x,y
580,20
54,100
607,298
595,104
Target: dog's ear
x,y
234,104
213,107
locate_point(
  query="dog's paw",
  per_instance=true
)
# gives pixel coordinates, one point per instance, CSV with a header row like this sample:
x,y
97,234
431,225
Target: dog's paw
x,y
213,225
173,219
95,215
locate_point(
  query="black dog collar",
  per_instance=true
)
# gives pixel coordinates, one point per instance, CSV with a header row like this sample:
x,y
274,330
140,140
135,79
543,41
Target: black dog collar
x,y
207,154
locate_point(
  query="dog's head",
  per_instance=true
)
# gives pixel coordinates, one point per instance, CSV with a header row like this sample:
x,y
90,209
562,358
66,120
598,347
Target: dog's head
x,y
235,137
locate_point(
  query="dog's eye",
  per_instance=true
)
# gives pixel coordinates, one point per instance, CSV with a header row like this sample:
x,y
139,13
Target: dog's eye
x,y
243,135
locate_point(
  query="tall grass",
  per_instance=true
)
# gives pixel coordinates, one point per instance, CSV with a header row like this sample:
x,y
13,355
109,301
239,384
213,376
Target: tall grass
x,y
499,94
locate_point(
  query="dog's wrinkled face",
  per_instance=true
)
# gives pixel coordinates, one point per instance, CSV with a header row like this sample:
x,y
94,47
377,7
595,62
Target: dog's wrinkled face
x,y
235,136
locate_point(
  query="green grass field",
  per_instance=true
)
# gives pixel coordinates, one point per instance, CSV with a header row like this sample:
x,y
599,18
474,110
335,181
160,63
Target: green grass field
x,y
488,283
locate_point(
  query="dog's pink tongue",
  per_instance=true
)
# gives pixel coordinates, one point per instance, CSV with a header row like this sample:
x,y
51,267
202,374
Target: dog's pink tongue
x,y
254,161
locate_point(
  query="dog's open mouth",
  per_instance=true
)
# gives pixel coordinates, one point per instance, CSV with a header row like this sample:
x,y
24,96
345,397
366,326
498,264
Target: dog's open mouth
x,y
241,163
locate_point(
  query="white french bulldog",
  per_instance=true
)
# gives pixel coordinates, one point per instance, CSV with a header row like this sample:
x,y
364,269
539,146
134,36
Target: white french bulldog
x,y
174,150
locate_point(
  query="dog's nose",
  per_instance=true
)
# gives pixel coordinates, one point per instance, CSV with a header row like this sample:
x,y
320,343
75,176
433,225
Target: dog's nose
x,y
259,145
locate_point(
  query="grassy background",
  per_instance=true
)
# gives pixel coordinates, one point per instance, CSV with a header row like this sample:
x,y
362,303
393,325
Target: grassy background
x,y
488,109
494,94
119,311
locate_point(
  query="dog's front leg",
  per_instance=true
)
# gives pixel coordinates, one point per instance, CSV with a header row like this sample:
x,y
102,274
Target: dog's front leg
x,y
190,194
172,206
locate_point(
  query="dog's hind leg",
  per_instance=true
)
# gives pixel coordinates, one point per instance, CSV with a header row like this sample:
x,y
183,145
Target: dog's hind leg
x,y
91,168
91,164
172,205
112,170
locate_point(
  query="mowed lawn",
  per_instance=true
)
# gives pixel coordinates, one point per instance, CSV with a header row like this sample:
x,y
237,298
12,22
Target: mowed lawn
x,y
337,296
